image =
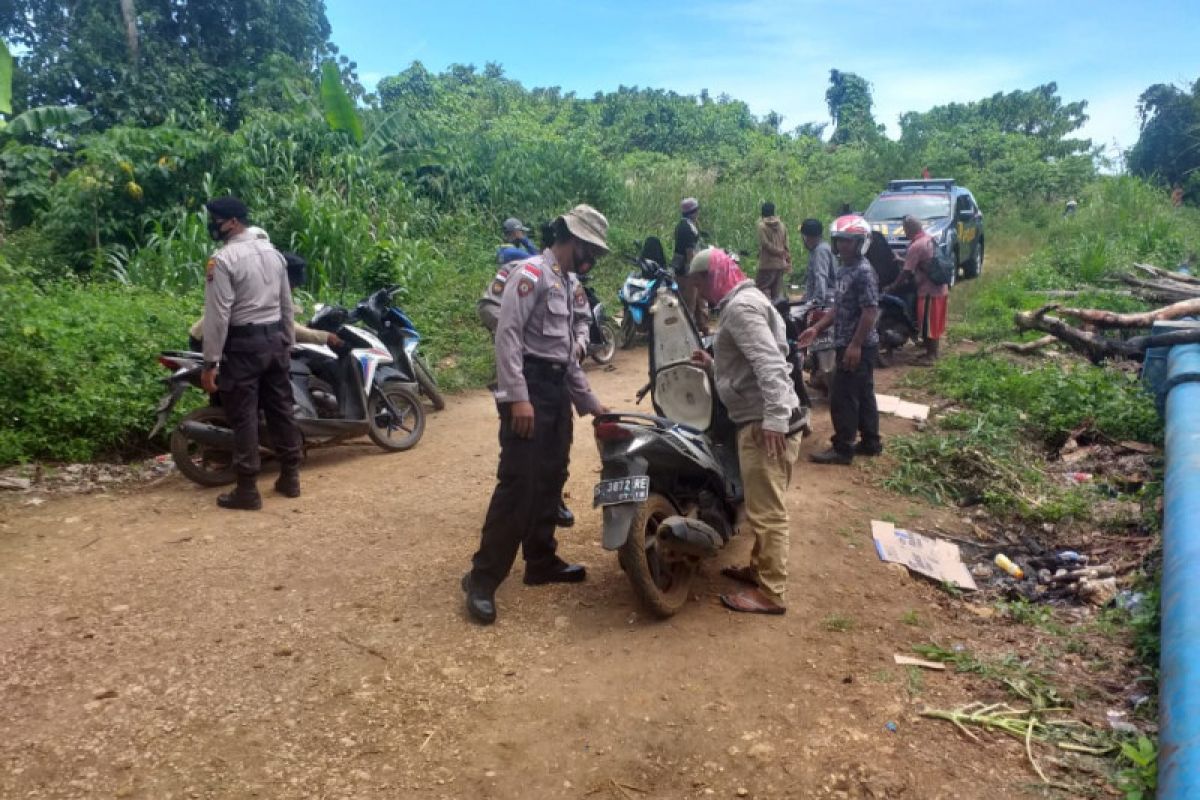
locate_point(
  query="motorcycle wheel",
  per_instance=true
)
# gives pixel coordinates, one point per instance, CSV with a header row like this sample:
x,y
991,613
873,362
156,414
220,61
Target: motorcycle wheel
x,y
628,332
389,433
427,382
661,587
605,354
206,465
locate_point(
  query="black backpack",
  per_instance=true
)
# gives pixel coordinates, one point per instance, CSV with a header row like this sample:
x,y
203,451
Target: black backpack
x,y
941,267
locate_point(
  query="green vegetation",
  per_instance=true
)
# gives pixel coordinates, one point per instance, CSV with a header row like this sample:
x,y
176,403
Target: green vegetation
x,y
103,175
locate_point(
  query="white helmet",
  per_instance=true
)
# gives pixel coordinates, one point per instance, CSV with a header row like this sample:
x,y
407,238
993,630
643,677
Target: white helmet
x,y
852,226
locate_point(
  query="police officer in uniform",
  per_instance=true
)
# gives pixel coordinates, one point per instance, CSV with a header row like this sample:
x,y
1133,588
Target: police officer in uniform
x,y
539,377
248,331
488,310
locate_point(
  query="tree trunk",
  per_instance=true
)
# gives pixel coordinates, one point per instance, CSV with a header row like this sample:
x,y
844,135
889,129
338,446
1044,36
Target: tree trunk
x,y
1145,319
1158,272
1096,347
129,15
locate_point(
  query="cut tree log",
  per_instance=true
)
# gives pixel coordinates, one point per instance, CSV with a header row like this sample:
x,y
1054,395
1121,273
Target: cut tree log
x,y
1096,347
1159,272
1145,319
1162,290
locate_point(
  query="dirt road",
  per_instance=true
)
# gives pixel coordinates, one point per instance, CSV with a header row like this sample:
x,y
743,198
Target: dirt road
x,y
152,646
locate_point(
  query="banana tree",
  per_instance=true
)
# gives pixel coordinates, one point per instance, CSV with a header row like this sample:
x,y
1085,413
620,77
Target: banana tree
x,y
31,122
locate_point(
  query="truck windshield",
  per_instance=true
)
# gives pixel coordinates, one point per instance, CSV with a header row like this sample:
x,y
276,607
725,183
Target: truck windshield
x,y
898,206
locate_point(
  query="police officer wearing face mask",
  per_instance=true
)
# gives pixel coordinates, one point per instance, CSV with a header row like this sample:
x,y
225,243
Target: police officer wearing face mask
x,y
539,377
248,331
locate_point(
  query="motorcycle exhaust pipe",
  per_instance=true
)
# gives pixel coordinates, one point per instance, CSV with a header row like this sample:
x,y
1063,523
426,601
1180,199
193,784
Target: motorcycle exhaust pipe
x,y
205,433
689,537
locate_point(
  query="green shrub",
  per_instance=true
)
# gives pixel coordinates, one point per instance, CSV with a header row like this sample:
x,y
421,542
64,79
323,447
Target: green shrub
x,y
78,372
1052,399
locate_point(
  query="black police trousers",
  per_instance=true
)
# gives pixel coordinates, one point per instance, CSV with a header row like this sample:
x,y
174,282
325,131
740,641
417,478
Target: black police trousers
x,y
852,403
529,481
254,376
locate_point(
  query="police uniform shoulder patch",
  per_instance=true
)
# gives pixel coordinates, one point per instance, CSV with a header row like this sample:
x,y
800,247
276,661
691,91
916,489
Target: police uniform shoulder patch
x,y
497,287
524,286
209,268
580,296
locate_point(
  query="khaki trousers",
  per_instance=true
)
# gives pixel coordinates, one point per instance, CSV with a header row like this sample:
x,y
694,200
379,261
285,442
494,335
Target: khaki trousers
x,y
695,303
765,482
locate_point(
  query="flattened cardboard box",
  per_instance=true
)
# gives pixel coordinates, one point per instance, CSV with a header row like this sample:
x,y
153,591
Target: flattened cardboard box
x,y
935,558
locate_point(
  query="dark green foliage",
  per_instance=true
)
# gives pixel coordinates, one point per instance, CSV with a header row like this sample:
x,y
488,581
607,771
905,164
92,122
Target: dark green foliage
x,y
79,366
194,59
849,101
1169,146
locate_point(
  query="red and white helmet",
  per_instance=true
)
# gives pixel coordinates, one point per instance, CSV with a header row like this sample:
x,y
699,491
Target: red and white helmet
x,y
852,226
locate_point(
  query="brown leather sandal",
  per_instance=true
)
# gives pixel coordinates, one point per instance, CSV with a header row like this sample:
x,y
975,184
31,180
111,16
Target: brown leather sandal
x,y
751,601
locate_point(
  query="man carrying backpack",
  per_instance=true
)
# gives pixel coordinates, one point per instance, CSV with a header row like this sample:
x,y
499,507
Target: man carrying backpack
x,y
932,296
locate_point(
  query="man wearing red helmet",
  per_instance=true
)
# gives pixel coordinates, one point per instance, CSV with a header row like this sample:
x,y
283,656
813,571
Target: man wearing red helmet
x,y
856,307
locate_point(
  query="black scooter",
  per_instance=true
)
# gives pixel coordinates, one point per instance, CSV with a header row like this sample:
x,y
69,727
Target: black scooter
x,y
670,484
380,313
602,333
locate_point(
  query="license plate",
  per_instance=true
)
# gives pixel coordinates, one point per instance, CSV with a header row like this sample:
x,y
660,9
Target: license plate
x,y
621,490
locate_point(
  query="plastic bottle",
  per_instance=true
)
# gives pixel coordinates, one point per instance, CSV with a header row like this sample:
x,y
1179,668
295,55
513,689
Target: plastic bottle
x,y
1005,563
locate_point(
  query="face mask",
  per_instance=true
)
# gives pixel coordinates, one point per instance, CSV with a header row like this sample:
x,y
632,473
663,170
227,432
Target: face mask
x,y
214,229
584,259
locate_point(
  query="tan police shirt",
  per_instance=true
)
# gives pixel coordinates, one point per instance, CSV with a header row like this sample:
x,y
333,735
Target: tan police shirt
x,y
245,284
539,317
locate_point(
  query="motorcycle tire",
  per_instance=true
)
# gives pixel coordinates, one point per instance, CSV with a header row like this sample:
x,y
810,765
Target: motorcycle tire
x,y
427,382
662,588
391,434
604,355
207,466
628,332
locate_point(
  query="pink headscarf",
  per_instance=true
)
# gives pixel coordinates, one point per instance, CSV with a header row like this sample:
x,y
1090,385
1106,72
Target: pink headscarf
x,y
724,274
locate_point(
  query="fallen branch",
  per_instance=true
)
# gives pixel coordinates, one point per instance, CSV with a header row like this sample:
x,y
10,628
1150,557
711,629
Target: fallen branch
x,y
1159,272
1098,348
1170,291
1025,348
1145,319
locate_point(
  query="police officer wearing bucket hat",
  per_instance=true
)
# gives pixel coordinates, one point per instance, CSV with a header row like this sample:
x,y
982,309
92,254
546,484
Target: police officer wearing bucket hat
x,y
539,378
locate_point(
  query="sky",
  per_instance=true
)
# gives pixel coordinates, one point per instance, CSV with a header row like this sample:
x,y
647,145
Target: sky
x,y
776,55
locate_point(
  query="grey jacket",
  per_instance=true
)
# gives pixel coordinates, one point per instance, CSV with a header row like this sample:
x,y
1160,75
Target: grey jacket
x,y
752,374
821,283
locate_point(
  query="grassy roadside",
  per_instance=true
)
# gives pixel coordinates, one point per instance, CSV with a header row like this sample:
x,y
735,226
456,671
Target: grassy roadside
x,y
997,445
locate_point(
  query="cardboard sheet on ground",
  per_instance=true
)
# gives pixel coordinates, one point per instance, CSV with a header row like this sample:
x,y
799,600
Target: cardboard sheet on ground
x,y
936,558
890,404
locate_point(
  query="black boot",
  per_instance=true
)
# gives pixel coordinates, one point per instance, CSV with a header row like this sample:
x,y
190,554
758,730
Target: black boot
x,y
563,518
831,456
288,482
245,497
481,605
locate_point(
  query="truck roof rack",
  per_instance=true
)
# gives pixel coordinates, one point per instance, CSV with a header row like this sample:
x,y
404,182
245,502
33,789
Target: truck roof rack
x,y
930,183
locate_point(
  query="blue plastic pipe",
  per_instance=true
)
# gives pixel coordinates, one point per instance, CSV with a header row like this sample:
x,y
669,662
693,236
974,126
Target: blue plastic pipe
x,y
1179,692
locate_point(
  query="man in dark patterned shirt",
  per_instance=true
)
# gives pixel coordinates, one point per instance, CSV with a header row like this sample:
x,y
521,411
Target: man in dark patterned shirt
x,y
856,307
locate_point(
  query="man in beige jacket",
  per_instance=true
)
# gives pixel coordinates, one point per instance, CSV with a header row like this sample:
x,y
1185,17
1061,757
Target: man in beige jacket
x,y
774,257
754,382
